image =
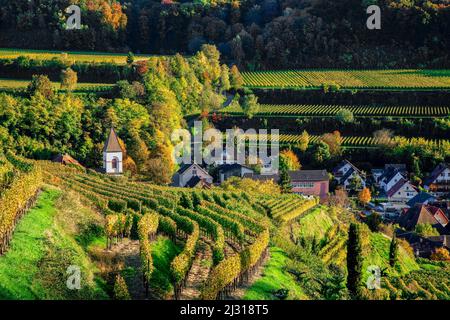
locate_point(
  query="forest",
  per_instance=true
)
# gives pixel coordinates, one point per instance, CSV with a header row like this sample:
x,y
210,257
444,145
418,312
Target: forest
x,y
253,34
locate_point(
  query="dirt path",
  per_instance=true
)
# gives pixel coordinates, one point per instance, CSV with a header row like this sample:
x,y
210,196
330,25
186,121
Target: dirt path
x,y
199,271
127,251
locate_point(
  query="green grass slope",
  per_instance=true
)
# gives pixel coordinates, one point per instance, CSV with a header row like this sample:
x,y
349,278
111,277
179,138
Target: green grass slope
x,y
274,277
41,250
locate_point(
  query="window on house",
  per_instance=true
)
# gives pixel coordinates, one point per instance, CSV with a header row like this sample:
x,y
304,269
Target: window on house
x,y
114,163
303,185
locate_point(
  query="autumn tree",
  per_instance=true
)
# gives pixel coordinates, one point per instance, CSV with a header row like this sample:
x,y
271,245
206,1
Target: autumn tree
x,y
41,84
303,141
440,254
69,79
334,141
290,159
236,79
364,196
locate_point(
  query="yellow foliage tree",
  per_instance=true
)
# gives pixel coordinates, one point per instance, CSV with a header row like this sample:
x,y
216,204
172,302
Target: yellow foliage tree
x,y
441,254
290,159
364,196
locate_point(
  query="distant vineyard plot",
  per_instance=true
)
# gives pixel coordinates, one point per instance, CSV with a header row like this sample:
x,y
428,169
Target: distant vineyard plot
x,y
347,141
349,79
13,85
89,57
294,110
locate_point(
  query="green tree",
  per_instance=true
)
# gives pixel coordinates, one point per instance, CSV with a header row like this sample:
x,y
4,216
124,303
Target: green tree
x,y
320,152
130,58
345,116
393,251
426,230
354,261
250,105
285,180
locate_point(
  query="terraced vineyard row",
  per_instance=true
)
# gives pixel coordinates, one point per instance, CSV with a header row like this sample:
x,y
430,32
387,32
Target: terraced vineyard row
x,y
347,141
277,110
350,79
72,56
14,85
238,238
289,206
419,285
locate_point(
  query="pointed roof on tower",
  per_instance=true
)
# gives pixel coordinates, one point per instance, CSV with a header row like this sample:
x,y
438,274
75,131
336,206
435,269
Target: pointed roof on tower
x,y
112,143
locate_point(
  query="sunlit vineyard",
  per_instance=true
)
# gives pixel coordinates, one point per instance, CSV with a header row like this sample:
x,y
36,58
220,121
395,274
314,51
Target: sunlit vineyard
x,y
352,141
71,56
14,85
349,79
20,181
277,110
233,227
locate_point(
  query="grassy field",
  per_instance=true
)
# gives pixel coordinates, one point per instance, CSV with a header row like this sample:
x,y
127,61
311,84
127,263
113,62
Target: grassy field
x,y
14,84
296,110
273,278
163,252
73,56
41,250
349,79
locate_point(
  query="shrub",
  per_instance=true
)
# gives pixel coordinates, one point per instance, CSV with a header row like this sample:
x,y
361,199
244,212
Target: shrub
x,y
121,289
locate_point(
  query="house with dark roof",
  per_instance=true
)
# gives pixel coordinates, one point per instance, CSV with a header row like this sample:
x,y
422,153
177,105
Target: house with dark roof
x,y
192,175
233,170
421,198
346,172
306,182
401,191
421,214
389,177
112,154
438,182
424,246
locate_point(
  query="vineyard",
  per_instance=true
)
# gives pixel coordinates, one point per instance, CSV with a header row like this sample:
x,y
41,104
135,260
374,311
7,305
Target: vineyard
x,y
351,142
234,227
349,79
294,110
20,181
86,57
9,85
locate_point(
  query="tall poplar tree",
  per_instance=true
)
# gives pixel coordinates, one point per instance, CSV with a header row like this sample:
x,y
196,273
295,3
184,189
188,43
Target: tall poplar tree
x,y
354,261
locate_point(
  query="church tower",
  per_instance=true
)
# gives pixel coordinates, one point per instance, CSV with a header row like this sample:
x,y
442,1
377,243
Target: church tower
x,y
112,154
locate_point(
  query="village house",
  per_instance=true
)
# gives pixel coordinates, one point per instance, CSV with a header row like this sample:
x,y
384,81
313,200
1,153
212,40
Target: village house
x,y
306,182
390,176
402,191
233,170
112,154
346,172
421,214
438,183
191,176
424,246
